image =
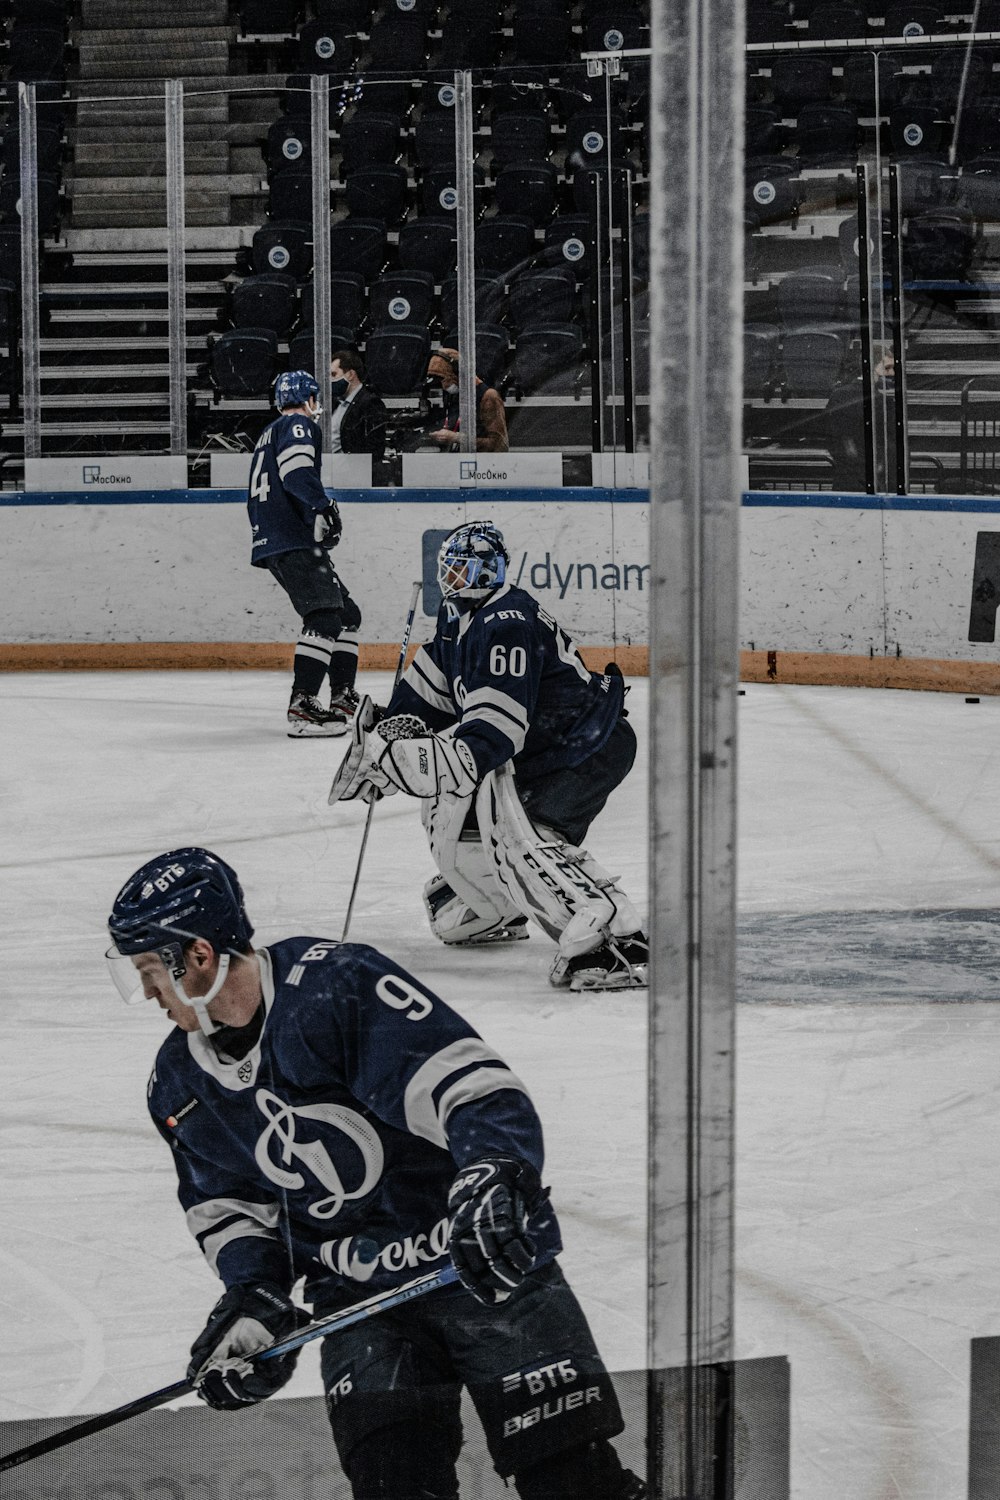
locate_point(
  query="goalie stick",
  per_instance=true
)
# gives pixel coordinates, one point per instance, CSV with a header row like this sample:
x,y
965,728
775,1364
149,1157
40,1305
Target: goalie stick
x,y
382,1302
371,806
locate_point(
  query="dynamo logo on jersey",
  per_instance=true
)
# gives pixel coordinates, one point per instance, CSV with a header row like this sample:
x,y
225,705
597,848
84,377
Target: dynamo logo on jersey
x,y
360,1157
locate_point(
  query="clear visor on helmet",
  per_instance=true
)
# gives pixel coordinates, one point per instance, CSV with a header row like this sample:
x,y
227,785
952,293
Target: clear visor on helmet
x,y
130,971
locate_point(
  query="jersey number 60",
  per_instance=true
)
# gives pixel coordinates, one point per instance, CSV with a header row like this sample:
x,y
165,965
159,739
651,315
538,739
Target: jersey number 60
x,y
501,662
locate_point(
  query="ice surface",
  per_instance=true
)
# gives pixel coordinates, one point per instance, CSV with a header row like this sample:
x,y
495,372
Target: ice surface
x,y
867,1136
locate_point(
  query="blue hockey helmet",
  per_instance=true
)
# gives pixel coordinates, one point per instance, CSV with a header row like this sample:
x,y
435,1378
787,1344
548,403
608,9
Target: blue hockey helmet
x,y
179,896
472,561
294,388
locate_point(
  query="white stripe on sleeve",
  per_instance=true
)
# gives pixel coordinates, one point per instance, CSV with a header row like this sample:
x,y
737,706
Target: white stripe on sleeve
x,y
429,1119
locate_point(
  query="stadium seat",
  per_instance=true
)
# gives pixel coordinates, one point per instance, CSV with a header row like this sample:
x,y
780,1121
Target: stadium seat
x,y
283,247
347,301
542,296
518,137
296,100
10,252
402,298
590,187
979,131
353,15
49,147
269,17
836,21
429,244
265,301
434,139
288,144
977,191
541,38
302,348
504,241
809,362
587,139
612,28
490,300
911,18
827,132
289,195
396,359
772,190
811,298
527,188
796,80
467,42
915,129
359,244
10,309
370,138
35,52
377,193
549,355
567,241
47,187
762,129
325,48
759,349
768,21
244,361
925,182
938,246
397,43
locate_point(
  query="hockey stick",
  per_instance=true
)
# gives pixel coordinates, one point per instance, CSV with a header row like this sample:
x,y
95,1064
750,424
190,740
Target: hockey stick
x,y
382,1302
371,806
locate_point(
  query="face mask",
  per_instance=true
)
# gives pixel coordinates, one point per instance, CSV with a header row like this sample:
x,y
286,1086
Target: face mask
x,y
450,390
338,388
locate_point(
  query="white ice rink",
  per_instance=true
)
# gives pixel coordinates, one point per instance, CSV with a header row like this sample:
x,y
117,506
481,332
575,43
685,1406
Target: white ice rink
x,y
868,1223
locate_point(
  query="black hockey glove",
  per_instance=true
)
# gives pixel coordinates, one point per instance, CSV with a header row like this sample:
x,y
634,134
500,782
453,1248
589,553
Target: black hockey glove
x,y
327,527
491,1249
245,1320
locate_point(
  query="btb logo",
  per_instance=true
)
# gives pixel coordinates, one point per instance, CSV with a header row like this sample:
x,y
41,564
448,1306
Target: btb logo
x,y
278,1147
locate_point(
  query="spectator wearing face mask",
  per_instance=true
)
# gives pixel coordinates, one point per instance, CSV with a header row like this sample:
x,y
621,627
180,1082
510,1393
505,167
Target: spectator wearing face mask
x,y
491,418
359,417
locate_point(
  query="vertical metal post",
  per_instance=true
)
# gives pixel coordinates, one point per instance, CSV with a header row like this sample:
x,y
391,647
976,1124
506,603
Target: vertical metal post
x,y
176,266
695,405
320,141
897,439
628,338
31,399
465,215
865,314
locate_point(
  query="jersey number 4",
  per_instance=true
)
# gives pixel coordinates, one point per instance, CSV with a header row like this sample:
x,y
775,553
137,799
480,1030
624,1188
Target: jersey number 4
x,y
259,486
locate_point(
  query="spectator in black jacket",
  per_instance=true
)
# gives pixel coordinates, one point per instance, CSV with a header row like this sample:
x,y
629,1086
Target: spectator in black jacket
x,y
359,418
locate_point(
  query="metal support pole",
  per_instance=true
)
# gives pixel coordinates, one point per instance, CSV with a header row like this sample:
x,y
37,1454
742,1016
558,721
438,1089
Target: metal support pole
x,y
695,405
176,267
31,399
320,140
465,214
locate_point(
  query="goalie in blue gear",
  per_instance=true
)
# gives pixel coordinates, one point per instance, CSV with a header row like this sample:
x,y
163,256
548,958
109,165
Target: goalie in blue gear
x,y
295,523
332,1120
513,747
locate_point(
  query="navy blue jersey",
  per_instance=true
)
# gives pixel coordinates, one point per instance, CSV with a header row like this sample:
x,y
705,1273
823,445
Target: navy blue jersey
x,y
285,492
516,686
328,1150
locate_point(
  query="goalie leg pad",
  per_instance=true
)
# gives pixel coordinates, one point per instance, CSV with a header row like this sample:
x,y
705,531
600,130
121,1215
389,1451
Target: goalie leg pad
x,y
478,910
562,888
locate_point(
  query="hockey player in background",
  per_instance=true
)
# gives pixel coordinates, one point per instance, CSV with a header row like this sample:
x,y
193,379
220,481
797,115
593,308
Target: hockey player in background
x,y
514,747
295,523
331,1119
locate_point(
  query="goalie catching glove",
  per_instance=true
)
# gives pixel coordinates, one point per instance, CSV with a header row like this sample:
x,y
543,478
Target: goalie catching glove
x,y
491,1247
400,755
246,1320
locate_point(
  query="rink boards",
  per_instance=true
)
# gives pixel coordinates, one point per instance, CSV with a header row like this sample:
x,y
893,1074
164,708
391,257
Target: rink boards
x,y
845,589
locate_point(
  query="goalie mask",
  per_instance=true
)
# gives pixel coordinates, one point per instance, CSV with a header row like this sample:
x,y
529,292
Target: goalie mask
x,y
173,899
472,562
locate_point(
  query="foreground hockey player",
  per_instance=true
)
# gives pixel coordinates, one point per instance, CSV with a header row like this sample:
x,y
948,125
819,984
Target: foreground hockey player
x,y
294,525
514,747
332,1119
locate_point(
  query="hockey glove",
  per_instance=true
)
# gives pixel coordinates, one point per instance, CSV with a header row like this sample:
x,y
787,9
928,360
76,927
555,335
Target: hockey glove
x,y
353,779
491,1248
431,765
245,1320
327,527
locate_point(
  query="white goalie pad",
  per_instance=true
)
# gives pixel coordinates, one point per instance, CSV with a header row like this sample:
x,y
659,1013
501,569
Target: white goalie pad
x,y
480,908
559,886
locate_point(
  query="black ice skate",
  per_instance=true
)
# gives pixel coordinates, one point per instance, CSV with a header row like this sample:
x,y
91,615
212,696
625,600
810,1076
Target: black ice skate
x,y
308,719
618,964
344,700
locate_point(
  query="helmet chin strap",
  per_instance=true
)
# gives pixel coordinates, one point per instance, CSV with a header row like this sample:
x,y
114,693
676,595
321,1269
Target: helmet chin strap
x,y
200,1003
